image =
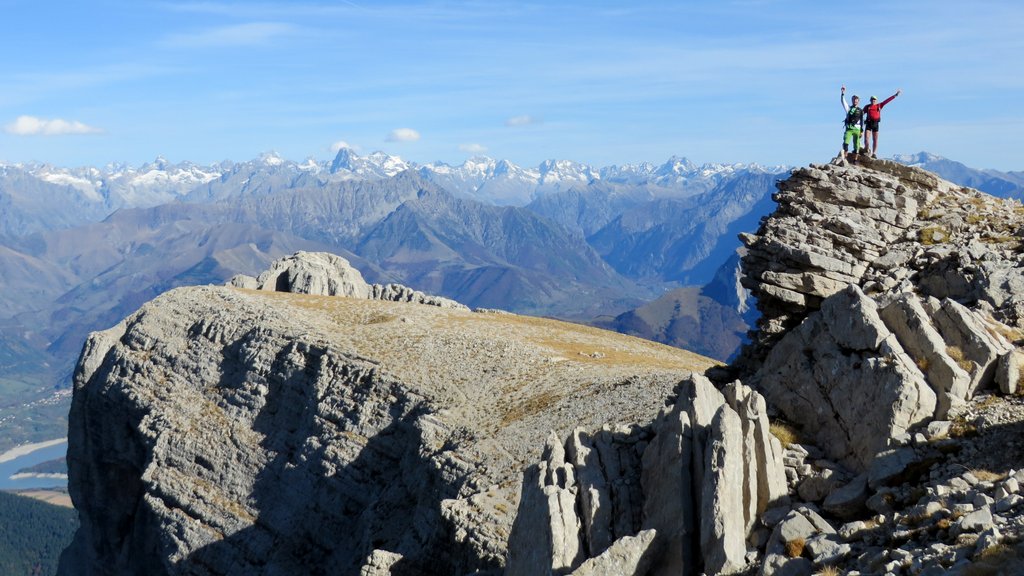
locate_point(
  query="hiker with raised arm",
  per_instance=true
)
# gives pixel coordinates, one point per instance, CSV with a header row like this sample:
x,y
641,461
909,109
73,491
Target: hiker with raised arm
x,y
873,112
853,124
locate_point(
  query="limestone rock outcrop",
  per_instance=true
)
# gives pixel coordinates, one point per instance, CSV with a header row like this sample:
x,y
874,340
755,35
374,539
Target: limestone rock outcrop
x,y
320,273
313,423
864,334
708,468
844,376
226,431
885,227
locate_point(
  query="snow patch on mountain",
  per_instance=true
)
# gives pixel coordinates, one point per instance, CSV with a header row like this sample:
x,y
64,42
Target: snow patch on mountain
x,y
481,178
84,185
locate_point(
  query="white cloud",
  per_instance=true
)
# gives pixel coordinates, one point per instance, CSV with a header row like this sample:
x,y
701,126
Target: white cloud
x,y
250,34
341,145
473,148
403,135
32,126
524,120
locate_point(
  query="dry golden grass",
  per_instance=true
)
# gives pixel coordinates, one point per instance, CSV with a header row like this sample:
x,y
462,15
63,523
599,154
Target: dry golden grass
x,y
786,433
962,429
533,405
579,342
795,547
1001,239
933,235
54,497
922,364
997,560
566,339
828,571
957,354
1013,335
914,519
987,475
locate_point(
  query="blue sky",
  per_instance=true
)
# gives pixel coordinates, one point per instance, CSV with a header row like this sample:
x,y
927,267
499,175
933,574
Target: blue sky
x,y
596,82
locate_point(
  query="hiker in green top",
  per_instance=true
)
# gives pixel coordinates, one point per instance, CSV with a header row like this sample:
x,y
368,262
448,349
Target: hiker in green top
x,y
853,125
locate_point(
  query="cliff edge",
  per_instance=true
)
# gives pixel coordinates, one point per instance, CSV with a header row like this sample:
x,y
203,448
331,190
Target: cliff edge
x,y
233,431
875,424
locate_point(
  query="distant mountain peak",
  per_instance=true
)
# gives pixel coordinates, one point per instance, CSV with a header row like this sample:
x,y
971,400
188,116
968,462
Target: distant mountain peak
x,y
919,158
271,158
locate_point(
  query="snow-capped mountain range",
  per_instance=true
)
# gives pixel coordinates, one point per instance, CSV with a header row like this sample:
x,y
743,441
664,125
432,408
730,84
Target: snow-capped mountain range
x,y
484,179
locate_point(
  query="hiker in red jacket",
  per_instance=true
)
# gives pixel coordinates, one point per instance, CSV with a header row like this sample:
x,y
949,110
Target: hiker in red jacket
x,y
872,115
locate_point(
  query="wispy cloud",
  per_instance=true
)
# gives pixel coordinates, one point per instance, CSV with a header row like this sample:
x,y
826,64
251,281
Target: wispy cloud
x,y
524,120
403,135
32,126
249,34
473,148
342,145
259,8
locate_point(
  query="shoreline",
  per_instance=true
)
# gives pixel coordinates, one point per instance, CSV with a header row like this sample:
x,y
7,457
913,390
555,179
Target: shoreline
x,y
25,475
25,449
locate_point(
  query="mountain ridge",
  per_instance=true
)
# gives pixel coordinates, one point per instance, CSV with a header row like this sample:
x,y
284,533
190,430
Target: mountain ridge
x,y
889,323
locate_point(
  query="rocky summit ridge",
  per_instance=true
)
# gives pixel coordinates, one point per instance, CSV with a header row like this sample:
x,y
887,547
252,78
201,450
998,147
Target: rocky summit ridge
x,y
308,422
330,426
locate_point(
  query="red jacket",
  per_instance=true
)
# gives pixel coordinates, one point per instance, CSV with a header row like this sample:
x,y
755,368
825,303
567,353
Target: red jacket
x,y
874,111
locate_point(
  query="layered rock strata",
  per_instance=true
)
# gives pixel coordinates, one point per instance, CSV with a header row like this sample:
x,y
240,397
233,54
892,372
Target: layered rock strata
x,y
884,227
679,496
864,334
324,274
227,431
231,431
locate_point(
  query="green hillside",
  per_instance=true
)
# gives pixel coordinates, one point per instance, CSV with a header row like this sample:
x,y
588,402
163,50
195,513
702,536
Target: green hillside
x,y
32,535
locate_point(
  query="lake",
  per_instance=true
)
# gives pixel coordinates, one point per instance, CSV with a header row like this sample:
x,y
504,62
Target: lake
x,y
42,455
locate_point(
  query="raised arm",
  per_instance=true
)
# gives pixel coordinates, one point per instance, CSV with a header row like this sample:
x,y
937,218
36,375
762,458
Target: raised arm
x,y
890,98
842,98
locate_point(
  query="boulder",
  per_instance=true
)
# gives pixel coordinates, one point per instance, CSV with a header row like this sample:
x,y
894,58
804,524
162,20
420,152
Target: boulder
x,y
325,274
595,498
722,528
891,466
848,502
1008,372
968,334
557,484
668,485
911,324
379,563
318,273
793,528
628,556
843,377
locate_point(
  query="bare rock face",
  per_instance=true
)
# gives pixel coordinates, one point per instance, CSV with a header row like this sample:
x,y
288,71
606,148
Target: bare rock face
x,y
324,274
702,485
844,377
268,431
222,431
310,273
887,228
866,330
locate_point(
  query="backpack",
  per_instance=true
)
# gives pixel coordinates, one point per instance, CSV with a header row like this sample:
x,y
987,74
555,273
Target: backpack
x,y
854,117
